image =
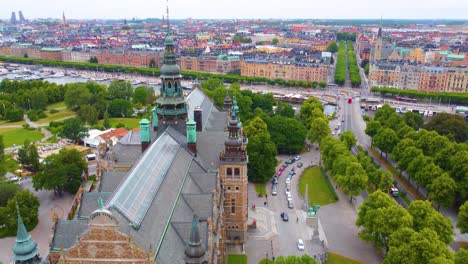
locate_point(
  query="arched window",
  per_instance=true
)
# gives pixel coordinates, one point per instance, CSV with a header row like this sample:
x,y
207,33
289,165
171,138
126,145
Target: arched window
x,y
169,85
229,172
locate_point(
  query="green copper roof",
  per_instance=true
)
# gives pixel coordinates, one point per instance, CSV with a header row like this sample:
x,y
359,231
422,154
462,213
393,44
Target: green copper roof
x,y
25,247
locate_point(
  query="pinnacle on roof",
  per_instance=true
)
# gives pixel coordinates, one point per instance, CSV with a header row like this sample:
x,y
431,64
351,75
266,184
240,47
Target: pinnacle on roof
x,y
195,248
25,247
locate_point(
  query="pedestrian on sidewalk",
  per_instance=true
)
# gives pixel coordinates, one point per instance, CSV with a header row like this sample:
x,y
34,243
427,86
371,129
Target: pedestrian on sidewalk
x,y
297,219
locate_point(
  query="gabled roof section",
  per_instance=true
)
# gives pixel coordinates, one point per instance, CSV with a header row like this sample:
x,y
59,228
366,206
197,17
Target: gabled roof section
x,y
135,195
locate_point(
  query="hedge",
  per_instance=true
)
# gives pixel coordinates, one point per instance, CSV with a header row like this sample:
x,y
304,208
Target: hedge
x,y
446,97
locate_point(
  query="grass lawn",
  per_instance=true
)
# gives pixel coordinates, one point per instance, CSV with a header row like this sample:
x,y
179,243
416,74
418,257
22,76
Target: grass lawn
x,y
260,188
5,123
320,190
57,105
237,259
130,123
61,114
52,139
18,135
334,258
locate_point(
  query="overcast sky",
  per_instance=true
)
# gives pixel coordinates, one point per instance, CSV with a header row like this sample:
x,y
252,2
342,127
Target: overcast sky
x,y
335,9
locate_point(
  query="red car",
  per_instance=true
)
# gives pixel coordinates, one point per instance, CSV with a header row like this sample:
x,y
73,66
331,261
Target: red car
x,y
279,173
282,168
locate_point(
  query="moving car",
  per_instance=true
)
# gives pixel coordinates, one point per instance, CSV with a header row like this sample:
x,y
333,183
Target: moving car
x,y
299,165
394,191
300,244
290,205
284,216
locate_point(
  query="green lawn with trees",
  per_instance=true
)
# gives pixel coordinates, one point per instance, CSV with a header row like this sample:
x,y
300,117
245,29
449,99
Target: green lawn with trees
x,y
304,259
353,67
236,259
340,66
127,122
320,191
260,189
399,231
334,258
433,161
17,136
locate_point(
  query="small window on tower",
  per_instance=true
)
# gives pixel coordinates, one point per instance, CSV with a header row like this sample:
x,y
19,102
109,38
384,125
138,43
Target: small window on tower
x,y
229,172
236,171
233,206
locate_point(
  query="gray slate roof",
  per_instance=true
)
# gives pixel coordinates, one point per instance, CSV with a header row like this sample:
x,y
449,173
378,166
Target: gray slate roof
x,y
67,233
110,180
89,203
186,189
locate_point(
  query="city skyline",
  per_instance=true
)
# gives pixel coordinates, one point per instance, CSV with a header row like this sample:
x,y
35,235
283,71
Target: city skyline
x,y
240,9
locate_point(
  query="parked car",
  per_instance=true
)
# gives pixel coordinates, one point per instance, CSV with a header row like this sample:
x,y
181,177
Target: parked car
x,y
286,164
284,216
279,173
300,244
297,157
274,190
291,161
290,204
282,168
289,196
275,180
288,180
299,165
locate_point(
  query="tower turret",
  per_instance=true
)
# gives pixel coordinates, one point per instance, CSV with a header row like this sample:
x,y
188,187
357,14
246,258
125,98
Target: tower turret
x,y
171,106
233,175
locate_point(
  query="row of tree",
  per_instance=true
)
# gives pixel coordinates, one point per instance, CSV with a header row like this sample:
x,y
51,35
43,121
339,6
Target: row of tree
x,y
229,78
445,97
10,195
431,160
420,234
18,96
346,36
353,67
340,67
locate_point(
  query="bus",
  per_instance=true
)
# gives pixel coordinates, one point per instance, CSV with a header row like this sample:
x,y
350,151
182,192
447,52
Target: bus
x,y
350,100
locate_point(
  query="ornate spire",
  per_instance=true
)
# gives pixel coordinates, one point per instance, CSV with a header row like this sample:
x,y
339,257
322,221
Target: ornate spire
x,y
379,34
235,107
227,101
167,18
25,248
195,248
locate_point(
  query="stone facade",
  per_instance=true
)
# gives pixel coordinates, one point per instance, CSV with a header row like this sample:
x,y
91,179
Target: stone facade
x,y
103,243
313,72
415,77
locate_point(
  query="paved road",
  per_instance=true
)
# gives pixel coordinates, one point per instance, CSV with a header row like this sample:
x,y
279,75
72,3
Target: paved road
x,y
42,233
337,223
